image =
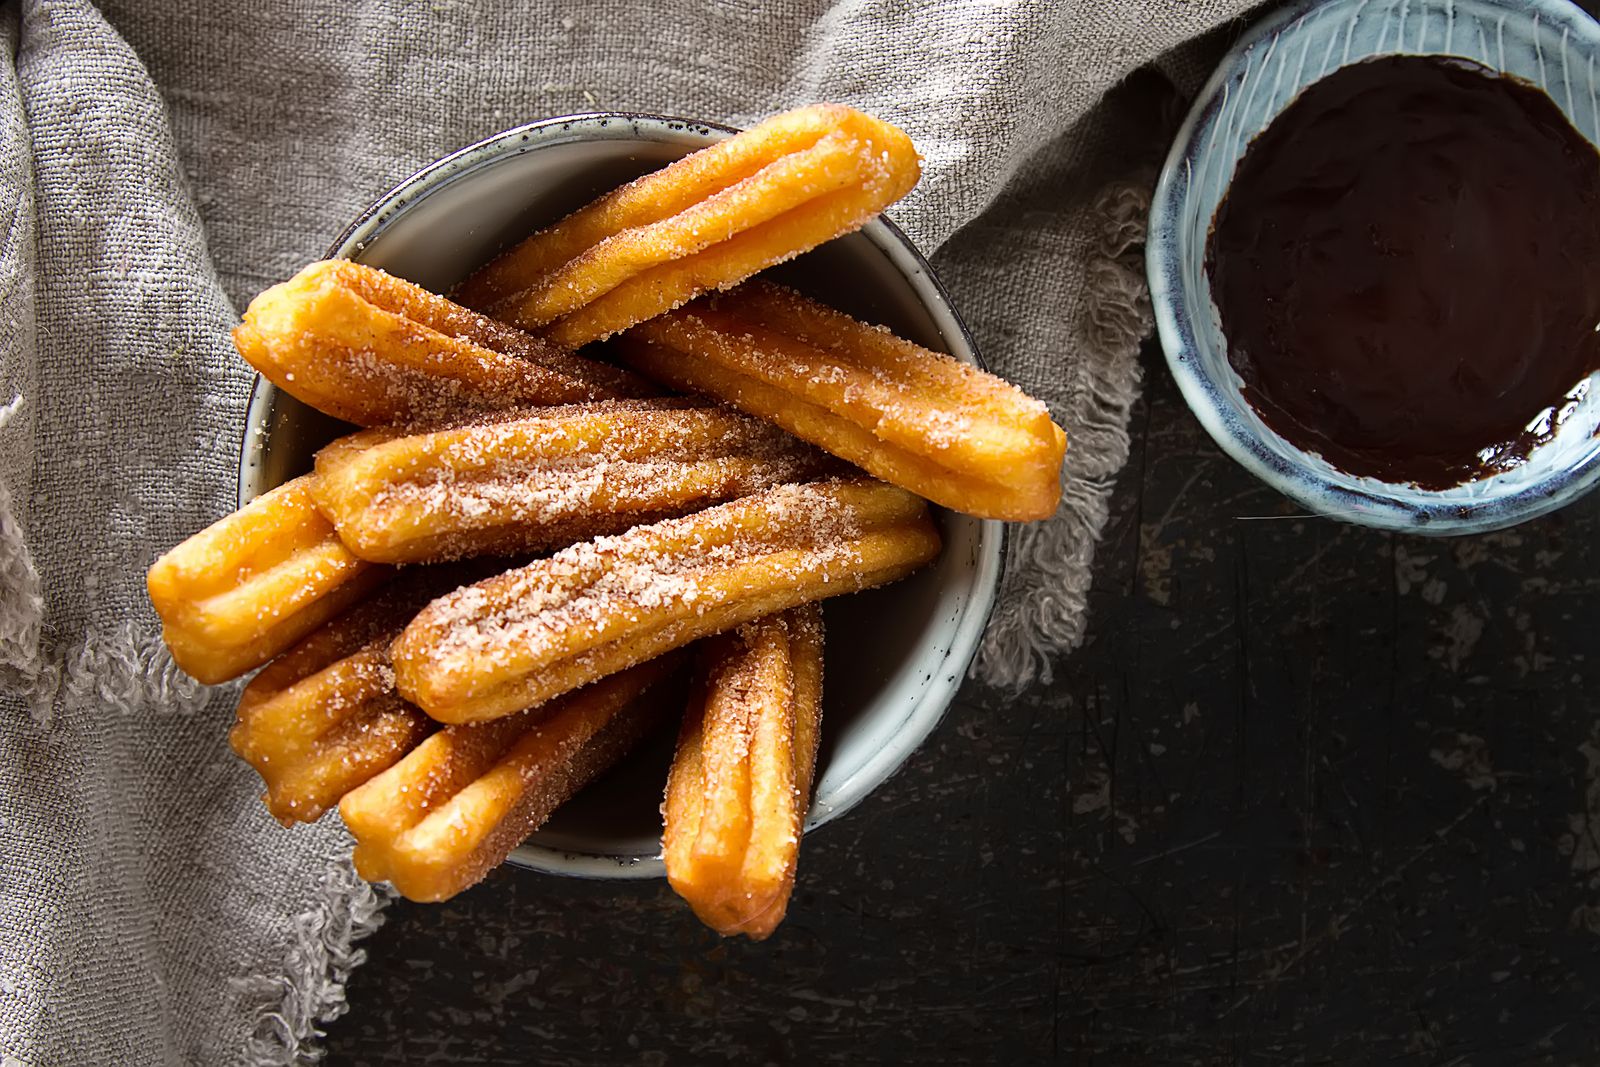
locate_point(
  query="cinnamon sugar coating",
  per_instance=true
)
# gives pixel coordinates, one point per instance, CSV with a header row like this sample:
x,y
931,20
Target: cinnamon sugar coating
x,y
452,809
324,717
523,637
544,478
705,222
740,782
369,348
917,418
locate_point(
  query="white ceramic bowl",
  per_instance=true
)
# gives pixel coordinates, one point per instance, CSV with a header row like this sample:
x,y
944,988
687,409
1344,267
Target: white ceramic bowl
x,y
1549,43
895,656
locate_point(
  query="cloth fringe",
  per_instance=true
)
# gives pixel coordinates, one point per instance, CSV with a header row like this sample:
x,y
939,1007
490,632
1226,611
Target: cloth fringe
x,y
131,671
289,1007
123,668
21,604
1032,625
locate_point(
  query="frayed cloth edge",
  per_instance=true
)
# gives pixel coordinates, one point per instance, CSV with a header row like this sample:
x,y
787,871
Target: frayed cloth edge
x,y
1042,610
289,1009
129,670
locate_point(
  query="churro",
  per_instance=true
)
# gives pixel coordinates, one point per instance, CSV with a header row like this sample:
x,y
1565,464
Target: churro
x,y
523,637
438,820
323,717
740,782
447,714
541,479
369,348
705,222
250,585
920,419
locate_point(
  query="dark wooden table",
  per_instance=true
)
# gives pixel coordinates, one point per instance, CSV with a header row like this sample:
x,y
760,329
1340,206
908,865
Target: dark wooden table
x,y
1309,794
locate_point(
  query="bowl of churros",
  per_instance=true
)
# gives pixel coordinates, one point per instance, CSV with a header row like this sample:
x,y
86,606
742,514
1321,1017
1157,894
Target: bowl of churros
x,y
621,496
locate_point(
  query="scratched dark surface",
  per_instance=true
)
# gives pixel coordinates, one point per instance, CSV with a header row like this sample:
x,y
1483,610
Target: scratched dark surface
x,y
1309,794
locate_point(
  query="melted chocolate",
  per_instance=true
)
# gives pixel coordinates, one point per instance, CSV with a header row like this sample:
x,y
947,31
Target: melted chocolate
x,y
1407,266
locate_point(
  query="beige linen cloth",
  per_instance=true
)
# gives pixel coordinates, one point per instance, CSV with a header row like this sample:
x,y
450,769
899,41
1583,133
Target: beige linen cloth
x,y
162,162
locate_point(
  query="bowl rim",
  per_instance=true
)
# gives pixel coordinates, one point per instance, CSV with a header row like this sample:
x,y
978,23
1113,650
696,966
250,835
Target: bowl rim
x,y
1307,487
992,544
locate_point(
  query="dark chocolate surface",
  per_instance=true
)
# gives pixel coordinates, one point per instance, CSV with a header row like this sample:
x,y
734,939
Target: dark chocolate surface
x,y
1407,266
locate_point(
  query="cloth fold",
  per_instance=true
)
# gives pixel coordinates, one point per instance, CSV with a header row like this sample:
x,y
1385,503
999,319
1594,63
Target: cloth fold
x,y
164,162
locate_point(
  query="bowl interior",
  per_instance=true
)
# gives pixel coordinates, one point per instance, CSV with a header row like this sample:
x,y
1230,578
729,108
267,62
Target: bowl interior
x,y
1550,44
894,656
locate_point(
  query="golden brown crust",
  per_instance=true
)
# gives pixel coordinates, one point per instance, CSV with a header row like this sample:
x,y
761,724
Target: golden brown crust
x,y
545,478
740,782
250,585
483,439
706,222
917,418
442,817
534,633
369,348
324,717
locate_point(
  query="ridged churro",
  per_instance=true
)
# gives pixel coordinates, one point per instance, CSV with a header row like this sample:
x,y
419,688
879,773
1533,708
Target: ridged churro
x,y
705,222
446,712
439,819
324,717
369,348
920,419
250,585
740,782
523,637
541,479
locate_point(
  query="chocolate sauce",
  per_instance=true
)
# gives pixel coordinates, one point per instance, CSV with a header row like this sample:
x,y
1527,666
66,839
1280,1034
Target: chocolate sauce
x,y
1407,266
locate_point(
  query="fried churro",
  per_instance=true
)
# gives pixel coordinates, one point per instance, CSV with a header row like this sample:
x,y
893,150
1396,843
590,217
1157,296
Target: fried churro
x,y
740,782
705,222
448,714
324,717
439,819
920,419
523,637
369,348
542,479
250,585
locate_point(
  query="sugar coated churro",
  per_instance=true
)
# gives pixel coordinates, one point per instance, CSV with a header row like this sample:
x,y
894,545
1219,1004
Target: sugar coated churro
x,y
919,419
323,717
545,478
447,709
523,637
250,585
741,778
439,819
706,222
369,348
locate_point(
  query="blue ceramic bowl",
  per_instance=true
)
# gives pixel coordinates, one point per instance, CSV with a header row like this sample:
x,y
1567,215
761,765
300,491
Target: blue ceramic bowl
x,y
1549,43
896,655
